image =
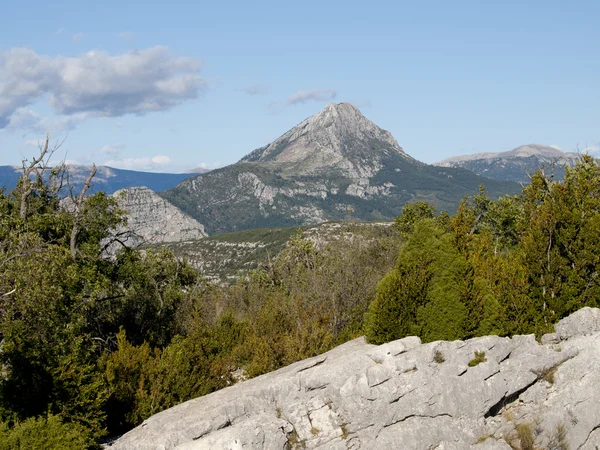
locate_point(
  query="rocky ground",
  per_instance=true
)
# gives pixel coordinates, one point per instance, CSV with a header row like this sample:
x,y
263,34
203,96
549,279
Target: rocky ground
x,y
484,393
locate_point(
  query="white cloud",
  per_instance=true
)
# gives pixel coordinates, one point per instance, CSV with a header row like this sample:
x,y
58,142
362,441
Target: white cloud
x,y
210,165
147,163
593,150
556,147
126,35
34,142
161,160
59,31
26,118
95,84
77,37
312,94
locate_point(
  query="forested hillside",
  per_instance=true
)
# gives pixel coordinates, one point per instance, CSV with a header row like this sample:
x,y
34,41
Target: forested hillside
x,y
91,347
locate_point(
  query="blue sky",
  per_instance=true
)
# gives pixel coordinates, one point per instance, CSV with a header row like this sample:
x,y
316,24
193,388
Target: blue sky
x,y
170,85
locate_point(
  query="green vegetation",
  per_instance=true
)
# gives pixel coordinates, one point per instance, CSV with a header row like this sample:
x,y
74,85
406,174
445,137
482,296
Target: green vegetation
x,y
511,266
478,359
224,200
45,432
438,357
224,258
91,346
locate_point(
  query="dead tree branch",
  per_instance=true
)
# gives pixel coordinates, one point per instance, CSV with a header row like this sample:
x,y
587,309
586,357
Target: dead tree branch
x,y
77,211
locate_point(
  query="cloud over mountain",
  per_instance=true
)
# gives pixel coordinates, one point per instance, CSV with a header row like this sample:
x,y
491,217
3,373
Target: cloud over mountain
x,y
320,95
96,83
146,163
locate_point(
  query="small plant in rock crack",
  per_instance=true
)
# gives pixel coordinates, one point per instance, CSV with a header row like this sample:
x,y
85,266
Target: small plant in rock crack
x,y
293,441
438,357
344,429
478,359
525,436
558,440
548,373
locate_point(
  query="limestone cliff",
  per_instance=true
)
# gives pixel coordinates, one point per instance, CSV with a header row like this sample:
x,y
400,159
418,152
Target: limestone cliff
x,y
151,219
482,394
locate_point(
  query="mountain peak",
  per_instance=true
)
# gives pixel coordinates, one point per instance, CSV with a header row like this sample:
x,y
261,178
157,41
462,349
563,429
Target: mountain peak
x,y
338,136
340,108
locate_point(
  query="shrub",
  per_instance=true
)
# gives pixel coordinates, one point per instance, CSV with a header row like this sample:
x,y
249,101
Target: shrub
x,y
478,359
45,433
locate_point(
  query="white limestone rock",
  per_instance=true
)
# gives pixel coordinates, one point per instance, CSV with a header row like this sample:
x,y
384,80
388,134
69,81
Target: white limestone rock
x,y
403,395
151,219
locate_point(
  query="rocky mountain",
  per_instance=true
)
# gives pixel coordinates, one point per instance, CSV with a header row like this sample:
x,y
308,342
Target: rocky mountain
x,y
515,165
334,165
487,393
152,220
337,141
107,179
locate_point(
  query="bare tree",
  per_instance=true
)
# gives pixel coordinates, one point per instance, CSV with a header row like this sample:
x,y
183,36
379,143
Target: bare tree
x,y
77,206
38,166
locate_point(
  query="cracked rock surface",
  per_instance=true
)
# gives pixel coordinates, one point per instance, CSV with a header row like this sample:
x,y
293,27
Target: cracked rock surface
x,y
405,395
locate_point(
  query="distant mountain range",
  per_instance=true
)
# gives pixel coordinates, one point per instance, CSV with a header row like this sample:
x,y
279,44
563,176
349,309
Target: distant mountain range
x,y
335,165
515,165
107,179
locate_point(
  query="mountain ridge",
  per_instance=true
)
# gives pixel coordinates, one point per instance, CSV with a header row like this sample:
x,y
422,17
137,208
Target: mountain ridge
x,y
107,179
334,165
516,164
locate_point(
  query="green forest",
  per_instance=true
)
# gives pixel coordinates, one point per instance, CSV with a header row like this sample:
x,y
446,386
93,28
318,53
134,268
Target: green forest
x,y
91,346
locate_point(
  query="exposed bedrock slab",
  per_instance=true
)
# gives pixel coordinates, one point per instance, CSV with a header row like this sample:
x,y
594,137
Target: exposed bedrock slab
x,y
404,394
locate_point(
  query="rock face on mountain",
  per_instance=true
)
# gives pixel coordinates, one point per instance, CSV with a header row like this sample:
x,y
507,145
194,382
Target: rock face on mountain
x,y
151,219
485,393
107,179
515,165
334,165
339,139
